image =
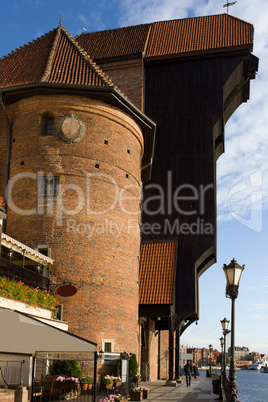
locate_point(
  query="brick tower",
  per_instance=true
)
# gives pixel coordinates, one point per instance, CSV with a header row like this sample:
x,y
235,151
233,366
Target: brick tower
x,y
74,147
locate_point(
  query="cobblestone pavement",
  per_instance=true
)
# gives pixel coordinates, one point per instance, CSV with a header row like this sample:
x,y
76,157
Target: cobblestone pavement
x,y
199,390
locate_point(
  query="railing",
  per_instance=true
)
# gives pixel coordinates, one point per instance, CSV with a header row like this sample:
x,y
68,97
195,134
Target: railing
x,y
230,393
12,271
10,373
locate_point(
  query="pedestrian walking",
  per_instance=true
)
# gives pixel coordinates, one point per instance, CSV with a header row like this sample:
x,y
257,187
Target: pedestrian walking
x,y
195,370
188,371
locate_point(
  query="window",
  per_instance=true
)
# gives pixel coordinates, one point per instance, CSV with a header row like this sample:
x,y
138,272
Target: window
x,y
48,185
107,345
47,124
44,250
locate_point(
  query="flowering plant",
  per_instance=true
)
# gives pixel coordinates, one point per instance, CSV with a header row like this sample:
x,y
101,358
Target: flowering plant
x,y
67,380
116,379
108,380
144,388
137,389
137,377
112,398
2,204
31,296
116,398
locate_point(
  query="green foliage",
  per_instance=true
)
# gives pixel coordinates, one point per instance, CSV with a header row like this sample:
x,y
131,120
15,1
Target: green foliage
x,y
86,380
117,366
133,365
219,359
32,296
69,368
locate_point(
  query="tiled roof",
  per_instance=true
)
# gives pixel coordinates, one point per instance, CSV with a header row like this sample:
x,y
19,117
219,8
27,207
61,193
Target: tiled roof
x,y
169,38
128,41
157,270
53,58
199,34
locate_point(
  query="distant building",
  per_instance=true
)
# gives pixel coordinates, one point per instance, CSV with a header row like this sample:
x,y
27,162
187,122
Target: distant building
x,y
241,353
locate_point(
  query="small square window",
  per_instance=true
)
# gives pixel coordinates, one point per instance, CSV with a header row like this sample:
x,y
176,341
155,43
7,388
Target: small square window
x,y
48,185
107,345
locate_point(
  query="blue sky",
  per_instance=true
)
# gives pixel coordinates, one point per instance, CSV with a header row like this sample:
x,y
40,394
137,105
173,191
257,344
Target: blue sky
x,y
242,171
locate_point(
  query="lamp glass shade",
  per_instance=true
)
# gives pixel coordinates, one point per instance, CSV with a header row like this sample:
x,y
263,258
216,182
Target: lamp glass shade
x,y
224,324
233,273
222,340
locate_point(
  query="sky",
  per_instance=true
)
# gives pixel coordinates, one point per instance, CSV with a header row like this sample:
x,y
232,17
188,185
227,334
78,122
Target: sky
x,y
242,172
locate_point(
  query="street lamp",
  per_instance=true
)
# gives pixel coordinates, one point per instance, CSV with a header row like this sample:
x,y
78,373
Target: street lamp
x,y
222,343
210,349
233,273
225,331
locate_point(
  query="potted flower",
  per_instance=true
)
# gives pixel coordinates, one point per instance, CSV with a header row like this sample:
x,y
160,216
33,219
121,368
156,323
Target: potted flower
x,y
117,381
89,382
137,377
116,398
145,392
112,398
84,383
67,383
136,394
108,381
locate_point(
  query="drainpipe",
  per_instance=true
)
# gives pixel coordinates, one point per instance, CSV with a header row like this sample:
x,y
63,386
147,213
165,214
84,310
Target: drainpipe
x,y
9,135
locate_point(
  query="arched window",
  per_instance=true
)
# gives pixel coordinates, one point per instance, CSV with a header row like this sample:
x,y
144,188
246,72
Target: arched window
x,y
47,124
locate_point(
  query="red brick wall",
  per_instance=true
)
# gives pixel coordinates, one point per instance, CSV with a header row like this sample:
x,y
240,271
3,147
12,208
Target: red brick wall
x,y
96,250
128,76
3,148
164,354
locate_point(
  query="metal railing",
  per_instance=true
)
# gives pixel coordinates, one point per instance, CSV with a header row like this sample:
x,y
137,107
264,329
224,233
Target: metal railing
x,y
12,271
230,393
10,373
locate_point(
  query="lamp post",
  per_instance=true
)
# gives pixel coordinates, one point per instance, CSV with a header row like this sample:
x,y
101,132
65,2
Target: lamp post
x,y
222,343
225,331
210,349
233,273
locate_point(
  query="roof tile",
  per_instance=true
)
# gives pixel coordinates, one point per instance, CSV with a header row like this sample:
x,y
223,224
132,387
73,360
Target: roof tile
x,y
128,41
198,34
53,58
169,38
157,269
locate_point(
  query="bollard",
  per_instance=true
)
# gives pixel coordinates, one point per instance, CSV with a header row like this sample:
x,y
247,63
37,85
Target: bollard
x,y
21,394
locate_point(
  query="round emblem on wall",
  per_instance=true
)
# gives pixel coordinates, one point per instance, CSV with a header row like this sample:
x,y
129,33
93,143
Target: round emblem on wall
x,y
71,129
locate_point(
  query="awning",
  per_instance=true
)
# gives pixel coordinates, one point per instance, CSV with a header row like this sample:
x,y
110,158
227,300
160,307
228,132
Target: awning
x,y
21,248
22,334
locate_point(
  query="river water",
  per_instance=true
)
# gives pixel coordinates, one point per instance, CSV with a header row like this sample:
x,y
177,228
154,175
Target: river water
x,y
252,385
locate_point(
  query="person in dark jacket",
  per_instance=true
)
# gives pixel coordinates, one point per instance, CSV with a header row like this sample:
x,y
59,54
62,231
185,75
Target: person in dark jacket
x,y
188,371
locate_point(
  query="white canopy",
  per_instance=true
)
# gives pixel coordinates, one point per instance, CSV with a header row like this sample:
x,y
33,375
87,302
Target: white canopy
x,y
22,334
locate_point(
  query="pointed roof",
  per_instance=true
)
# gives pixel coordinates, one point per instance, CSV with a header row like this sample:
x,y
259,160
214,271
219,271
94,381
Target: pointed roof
x,y
56,62
53,58
175,38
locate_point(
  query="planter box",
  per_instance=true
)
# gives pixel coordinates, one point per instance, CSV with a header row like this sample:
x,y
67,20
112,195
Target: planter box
x,y
24,308
106,386
145,394
136,396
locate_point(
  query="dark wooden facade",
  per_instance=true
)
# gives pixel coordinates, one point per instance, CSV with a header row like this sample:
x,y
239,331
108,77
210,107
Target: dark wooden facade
x,y
190,99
